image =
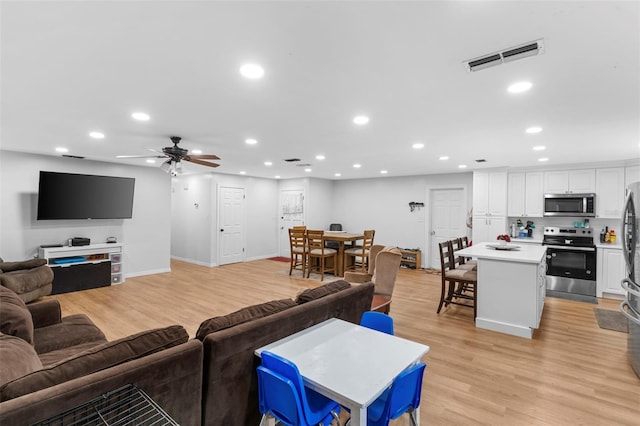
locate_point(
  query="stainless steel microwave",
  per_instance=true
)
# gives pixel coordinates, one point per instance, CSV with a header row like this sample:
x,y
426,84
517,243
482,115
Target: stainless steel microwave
x,y
578,205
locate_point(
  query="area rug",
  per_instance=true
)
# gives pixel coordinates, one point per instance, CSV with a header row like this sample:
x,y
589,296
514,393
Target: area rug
x,y
611,320
432,271
280,259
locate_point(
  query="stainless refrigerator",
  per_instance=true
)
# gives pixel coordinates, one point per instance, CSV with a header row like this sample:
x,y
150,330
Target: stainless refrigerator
x,y
631,283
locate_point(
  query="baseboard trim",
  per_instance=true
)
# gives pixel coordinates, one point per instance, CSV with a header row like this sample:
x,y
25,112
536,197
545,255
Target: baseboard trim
x,y
195,262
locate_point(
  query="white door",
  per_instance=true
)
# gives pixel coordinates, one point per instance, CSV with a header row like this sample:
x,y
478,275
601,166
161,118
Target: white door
x,y
291,210
231,220
448,219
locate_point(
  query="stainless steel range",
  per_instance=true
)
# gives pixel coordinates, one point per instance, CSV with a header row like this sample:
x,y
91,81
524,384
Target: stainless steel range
x,y
571,263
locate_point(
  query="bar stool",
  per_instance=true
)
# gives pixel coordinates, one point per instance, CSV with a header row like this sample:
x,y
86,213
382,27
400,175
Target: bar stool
x,y
456,283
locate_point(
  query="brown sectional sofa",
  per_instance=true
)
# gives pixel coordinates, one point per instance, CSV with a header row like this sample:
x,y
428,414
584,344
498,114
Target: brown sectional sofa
x,y
230,383
51,364
209,380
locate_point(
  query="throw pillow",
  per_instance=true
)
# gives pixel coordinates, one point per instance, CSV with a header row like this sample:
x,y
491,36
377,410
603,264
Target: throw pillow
x,y
15,318
243,315
324,290
96,359
18,358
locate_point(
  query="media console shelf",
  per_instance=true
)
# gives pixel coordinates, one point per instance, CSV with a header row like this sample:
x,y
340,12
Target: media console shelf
x,y
83,267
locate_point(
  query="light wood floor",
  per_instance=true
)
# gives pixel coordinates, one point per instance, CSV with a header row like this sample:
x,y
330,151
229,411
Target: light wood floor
x,y
571,373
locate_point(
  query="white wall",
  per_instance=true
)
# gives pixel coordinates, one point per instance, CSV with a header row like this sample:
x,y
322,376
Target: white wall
x,y
383,204
145,236
194,230
319,205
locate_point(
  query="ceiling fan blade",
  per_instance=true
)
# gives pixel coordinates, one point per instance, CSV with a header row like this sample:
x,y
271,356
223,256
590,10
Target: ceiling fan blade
x,y
141,156
204,157
201,162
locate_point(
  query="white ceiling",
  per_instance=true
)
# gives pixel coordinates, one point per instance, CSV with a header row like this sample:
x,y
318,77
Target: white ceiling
x,y
71,67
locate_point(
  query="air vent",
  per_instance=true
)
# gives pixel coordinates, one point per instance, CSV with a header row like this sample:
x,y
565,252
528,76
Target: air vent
x,y
511,54
481,160
291,160
73,156
303,165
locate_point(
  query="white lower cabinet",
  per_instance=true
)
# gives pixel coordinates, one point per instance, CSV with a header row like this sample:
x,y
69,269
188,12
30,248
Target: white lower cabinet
x,y
487,228
611,270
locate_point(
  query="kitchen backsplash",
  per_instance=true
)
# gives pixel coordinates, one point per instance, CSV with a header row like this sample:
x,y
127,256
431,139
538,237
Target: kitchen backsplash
x,y
595,224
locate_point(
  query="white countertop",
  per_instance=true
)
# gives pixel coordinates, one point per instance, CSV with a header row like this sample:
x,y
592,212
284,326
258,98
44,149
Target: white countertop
x,y
526,240
526,253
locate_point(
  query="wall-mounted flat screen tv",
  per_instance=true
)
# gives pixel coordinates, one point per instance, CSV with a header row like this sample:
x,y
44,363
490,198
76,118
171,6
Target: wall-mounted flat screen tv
x,y
77,196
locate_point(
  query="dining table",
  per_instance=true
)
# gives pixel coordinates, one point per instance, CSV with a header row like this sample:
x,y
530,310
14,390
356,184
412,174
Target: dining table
x,y
341,238
351,364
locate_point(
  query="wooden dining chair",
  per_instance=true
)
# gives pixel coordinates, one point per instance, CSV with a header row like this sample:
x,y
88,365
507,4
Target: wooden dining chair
x,y
457,284
361,251
298,246
318,252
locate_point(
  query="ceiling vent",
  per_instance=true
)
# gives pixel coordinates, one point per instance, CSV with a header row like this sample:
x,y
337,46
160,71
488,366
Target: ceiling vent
x,y
291,160
481,160
73,156
511,54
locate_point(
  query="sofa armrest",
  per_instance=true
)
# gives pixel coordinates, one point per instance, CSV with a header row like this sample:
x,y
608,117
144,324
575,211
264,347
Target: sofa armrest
x,y
172,378
357,277
22,264
45,313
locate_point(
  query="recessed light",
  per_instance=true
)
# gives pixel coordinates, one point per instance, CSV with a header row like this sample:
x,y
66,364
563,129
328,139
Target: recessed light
x,y
277,176
384,172
542,160
417,145
140,116
97,135
243,172
337,174
319,157
533,130
151,160
308,170
361,119
520,87
357,166
61,149
539,148
462,166
252,71
268,163
443,158
196,151
251,141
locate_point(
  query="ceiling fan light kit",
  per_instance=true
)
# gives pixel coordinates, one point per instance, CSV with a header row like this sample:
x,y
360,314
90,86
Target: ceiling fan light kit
x,y
176,155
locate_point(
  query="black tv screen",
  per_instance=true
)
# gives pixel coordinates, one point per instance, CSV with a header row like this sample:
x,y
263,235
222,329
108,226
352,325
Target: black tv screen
x,y
77,196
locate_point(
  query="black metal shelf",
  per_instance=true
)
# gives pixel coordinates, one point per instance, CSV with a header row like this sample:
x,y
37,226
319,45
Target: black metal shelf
x,y
127,405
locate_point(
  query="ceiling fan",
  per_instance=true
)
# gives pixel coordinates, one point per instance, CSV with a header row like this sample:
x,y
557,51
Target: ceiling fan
x,y
176,154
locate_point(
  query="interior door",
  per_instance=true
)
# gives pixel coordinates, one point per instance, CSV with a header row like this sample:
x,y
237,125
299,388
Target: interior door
x,y
448,219
291,209
231,220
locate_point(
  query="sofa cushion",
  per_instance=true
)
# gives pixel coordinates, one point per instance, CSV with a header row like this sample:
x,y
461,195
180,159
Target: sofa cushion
x,y
243,315
15,318
18,358
96,359
324,290
26,264
73,330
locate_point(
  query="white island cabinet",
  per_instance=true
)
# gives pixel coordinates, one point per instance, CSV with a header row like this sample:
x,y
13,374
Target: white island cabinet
x,y
511,287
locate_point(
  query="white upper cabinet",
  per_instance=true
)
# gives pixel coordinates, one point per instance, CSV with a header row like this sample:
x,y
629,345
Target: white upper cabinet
x,y
570,181
525,194
632,174
610,192
490,193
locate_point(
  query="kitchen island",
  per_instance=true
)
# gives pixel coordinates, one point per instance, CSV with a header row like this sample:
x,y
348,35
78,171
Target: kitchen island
x,y
511,287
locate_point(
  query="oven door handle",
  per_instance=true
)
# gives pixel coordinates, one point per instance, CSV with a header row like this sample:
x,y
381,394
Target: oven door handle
x,y
632,317
626,284
572,248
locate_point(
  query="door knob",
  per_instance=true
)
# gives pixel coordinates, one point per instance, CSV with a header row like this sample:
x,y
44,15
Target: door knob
x,y
222,230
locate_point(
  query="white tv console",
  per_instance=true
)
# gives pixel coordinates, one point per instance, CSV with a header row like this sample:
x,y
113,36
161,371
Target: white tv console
x,y
70,263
